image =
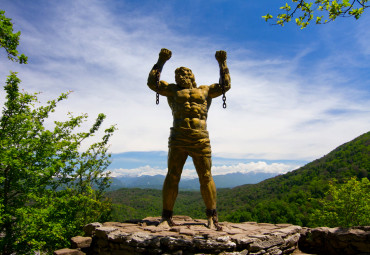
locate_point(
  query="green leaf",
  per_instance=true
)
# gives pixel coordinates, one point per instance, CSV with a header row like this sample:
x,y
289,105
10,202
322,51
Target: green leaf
x,y
267,17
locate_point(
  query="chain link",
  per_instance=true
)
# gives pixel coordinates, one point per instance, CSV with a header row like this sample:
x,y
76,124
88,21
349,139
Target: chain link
x,y
157,85
222,81
224,99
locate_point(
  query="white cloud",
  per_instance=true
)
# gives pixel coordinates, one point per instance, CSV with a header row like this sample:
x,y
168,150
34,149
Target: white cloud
x,y
260,166
145,170
278,107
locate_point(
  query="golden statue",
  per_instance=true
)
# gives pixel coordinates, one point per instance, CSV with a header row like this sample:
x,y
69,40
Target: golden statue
x,y
189,135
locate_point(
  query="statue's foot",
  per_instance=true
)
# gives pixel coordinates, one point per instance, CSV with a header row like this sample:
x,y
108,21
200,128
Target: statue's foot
x,y
163,224
213,219
166,220
213,224
166,223
210,224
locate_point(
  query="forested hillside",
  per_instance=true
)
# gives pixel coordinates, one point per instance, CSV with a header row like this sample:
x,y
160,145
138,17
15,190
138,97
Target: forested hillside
x,y
288,198
291,197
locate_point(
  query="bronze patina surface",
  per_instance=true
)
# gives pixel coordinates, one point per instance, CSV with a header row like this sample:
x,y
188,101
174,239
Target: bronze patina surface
x,y
189,136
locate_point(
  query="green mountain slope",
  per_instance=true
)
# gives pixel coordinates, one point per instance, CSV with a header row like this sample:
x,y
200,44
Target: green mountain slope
x,y
288,198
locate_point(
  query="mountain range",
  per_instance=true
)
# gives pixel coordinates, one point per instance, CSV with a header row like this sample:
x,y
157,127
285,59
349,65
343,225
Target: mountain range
x,y
221,181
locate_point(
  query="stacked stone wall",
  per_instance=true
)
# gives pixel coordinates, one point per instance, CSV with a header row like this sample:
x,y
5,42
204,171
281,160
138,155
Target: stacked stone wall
x,y
193,237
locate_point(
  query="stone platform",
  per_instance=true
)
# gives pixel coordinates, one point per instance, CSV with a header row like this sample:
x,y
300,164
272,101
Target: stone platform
x,y
191,237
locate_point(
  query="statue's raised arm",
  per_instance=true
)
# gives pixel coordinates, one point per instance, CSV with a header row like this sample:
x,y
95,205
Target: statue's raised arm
x,y
154,83
224,84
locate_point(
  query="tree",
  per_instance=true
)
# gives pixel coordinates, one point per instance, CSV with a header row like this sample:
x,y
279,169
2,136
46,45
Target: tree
x,y
318,11
48,188
345,205
10,40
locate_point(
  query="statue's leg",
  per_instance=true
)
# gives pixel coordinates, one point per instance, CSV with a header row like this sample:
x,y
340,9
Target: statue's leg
x,y
207,185
176,161
207,188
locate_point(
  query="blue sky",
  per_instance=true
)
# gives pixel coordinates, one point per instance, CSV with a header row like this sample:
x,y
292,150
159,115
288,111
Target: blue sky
x,y
296,94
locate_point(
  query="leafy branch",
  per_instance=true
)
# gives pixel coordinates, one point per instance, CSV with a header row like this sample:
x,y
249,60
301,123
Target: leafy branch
x,y
10,40
318,11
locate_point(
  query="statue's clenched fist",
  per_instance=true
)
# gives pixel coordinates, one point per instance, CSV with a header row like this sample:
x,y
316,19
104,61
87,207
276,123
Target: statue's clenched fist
x,y
221,56
165,54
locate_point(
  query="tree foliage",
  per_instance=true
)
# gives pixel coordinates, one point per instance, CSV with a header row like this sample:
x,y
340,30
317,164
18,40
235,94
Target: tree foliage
x,y
10,40
318,11
345,205
48,188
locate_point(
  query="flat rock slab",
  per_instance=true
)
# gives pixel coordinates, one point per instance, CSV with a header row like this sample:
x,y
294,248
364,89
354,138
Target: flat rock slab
x,y
192,236
67,251
323,240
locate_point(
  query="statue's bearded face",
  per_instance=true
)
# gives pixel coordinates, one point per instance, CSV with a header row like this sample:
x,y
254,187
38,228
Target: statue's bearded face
x,y
184,78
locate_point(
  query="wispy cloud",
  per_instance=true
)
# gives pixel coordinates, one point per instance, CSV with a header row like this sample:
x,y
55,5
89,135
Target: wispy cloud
x,y
256,167
279,107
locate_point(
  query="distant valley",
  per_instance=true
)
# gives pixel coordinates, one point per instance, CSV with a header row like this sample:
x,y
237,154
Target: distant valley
x,y
147,170
222,181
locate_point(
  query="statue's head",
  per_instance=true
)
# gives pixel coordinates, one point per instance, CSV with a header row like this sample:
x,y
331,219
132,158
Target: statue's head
x,y
185,78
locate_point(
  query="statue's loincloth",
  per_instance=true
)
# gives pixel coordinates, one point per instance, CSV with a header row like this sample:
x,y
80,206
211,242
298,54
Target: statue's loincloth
x,y
195,142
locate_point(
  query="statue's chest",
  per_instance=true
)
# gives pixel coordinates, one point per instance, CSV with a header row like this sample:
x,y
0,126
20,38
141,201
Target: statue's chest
x,y
190,95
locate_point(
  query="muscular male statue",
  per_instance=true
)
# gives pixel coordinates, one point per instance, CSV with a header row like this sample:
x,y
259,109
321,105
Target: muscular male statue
x,y
189,135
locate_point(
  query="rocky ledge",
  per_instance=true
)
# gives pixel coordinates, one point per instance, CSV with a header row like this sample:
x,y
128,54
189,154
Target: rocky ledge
x,y
189,237
193,237
323,240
